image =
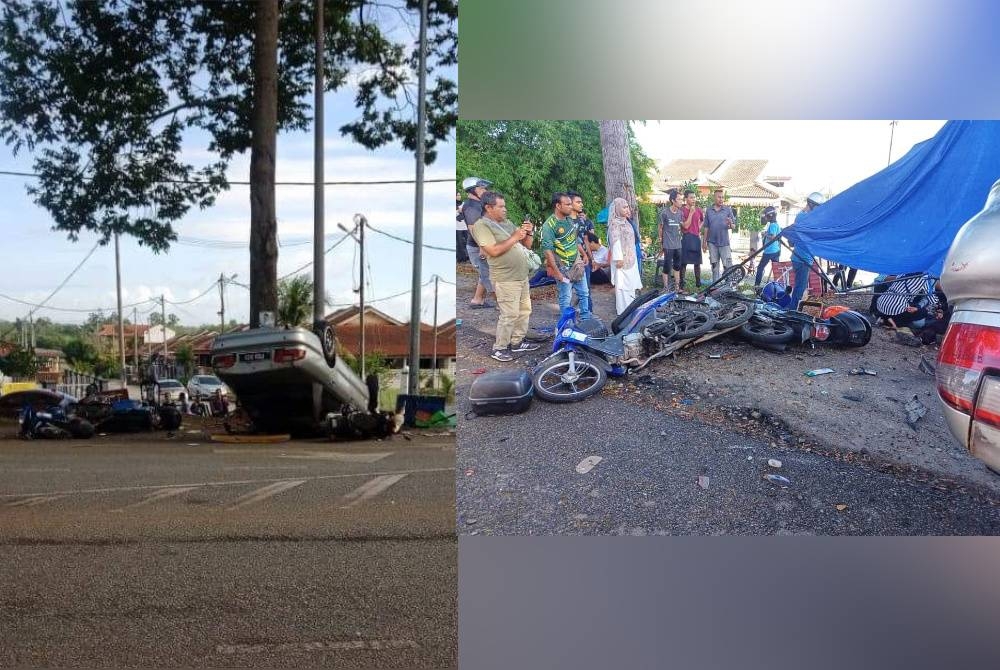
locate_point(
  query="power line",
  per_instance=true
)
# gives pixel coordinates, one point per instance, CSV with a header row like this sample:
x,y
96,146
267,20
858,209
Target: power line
x,y
403,239
197,297
68,277
373,182
328,250
72,309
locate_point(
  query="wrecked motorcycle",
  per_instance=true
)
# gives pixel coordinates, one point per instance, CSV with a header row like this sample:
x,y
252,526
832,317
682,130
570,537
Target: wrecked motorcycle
x,y
585,353
772,327
53,423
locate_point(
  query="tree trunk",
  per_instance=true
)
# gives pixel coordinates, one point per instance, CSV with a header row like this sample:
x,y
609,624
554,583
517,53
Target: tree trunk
x,y
264,124
618,179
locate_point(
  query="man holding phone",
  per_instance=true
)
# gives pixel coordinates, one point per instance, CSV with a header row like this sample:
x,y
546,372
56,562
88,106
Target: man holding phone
x,y
500,240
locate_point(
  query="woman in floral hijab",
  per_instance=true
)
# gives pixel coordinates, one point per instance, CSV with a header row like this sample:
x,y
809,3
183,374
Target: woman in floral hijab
x,y
625,273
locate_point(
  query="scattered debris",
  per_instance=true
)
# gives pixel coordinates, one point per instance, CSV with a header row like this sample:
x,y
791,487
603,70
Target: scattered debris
x,y
819,371
840,508
908,338
715,356
863,371
703,482
784,482
774,462
587,464
851,395
479,371
470,472
928,364
914,411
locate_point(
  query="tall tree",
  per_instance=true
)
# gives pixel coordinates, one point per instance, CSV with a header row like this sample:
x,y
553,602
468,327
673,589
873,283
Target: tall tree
x,y
619,180
111,98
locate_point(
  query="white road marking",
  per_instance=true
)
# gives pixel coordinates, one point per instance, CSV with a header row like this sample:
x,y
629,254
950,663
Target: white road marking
x,y
265,492
156,496
587,464
34,500
148,487
369,490
345,645
339,456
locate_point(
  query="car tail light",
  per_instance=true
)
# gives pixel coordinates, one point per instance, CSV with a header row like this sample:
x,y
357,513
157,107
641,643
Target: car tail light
x,y
968,349
289,355
988,402
224,361
821,332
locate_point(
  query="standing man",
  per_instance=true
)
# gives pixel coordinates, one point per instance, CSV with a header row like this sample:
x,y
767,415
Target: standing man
x,y
719,220
772,247
691,243
498,238
583,226
670,241
470,212
561,246
802,258
461,232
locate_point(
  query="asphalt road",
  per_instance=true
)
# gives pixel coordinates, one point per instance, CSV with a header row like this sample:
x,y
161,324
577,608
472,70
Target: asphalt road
x,y
188,553
518,475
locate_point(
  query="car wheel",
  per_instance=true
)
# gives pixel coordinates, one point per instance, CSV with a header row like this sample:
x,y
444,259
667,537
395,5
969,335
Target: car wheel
x,y
328,338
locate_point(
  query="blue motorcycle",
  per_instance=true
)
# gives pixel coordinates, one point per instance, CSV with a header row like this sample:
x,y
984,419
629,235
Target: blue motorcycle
x,y
585,353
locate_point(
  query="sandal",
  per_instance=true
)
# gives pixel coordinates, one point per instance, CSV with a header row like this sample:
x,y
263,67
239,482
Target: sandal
x,y
483,305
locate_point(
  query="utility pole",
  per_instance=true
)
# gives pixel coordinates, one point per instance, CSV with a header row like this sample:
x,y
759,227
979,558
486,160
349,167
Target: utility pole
x,y
163,325
892,131
222,304
418,213
359,226
135,340
435,373
319,265
121,318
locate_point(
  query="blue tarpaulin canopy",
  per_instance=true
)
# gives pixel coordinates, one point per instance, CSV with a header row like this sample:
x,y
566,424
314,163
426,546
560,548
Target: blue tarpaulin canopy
x,y
904,218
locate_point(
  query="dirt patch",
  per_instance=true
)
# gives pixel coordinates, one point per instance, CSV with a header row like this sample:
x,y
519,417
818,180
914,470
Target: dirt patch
x,y
751,389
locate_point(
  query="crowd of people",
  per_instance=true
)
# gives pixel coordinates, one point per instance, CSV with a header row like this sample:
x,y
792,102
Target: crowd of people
x,y
574,258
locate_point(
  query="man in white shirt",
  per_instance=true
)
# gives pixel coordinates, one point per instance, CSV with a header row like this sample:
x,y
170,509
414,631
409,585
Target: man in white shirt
x,y
600,262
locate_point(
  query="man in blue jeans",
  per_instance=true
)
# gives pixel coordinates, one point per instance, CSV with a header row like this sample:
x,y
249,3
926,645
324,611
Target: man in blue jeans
x,y
802,258
772,247
561,246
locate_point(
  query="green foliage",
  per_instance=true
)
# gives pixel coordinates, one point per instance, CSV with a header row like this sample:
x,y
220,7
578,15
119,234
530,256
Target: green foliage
x,y
748,218
185,359
528,161
295,301
104,94
375,362
19,363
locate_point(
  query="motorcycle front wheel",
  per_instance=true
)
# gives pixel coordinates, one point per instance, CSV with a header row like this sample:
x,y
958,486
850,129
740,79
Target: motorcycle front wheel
x,y
560,380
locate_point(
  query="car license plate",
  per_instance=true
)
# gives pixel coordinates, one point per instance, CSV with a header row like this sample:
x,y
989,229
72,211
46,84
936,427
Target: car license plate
x,y
254,356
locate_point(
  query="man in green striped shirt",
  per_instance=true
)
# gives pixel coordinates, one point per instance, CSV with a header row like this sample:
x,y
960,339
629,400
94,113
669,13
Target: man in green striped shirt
x,y
561,246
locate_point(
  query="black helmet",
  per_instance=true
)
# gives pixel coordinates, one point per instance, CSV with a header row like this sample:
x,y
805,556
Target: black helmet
x,y
769,214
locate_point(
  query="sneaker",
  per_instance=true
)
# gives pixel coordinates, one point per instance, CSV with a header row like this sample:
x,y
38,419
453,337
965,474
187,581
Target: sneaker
x,y
523,346
502,355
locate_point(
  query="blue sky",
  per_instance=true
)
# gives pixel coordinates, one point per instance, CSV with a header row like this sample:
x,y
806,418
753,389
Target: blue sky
x,y
36,258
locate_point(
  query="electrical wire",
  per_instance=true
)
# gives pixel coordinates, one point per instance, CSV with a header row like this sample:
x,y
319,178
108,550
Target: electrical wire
x,y
72,309
68,277
373,182
403,239
328,250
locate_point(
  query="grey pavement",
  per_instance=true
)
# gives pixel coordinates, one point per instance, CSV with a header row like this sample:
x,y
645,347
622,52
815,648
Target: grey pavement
x,y
308,553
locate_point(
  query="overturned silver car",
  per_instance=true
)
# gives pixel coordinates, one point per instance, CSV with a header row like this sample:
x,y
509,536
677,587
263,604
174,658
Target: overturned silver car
x,y
290,380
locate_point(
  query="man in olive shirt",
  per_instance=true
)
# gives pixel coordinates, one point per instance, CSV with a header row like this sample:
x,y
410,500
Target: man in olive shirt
x,y
498,238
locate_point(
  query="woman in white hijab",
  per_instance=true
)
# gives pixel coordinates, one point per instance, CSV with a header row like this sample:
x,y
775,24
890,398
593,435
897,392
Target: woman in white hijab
x,y
625,273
